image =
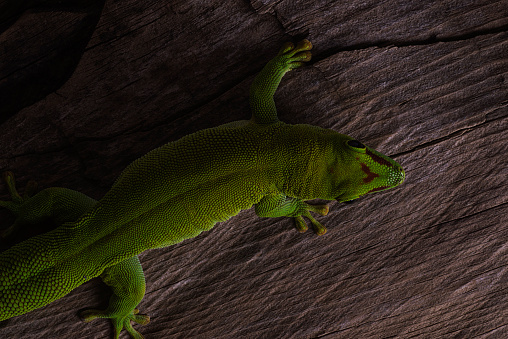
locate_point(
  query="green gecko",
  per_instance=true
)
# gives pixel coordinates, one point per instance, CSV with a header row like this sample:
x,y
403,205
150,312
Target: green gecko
x,y
179,190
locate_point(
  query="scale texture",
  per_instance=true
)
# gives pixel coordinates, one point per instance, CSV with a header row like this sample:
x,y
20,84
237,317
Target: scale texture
x,y
424,83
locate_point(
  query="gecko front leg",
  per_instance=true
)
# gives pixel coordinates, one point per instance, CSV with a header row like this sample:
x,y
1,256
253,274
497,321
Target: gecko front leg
x,y
266,82
279,205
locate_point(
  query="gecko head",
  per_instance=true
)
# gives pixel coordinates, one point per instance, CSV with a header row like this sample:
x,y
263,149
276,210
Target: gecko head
x,y
363,170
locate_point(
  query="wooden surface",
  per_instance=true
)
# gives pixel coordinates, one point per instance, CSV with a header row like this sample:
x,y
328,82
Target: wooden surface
x,y
86,89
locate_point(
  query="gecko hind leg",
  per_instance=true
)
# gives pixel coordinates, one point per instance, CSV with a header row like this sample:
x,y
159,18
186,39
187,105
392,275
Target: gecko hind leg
x,y
17,201
56,204
127,281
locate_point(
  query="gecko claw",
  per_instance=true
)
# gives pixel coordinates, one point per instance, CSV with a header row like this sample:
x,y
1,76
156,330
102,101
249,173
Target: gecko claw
x,y
17,201
301,225
120,322
295,56
318,228
9,179
288,46
319,209
304,45
290,49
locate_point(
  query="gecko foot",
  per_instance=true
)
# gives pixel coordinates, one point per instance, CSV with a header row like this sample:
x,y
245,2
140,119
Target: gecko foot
x,y
293,57
17,200
119,322
318,228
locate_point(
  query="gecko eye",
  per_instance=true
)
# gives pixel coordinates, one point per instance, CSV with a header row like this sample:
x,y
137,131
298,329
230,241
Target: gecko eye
x,y
356,144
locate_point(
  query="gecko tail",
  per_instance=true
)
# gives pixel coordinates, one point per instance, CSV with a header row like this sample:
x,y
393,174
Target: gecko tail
x,y
39,270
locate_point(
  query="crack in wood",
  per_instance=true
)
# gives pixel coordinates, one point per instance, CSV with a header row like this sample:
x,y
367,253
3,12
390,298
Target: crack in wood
x,y
433,39
439,225
460,132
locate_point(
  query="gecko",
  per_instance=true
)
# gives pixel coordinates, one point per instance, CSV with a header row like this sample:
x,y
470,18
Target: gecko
x,y
179,190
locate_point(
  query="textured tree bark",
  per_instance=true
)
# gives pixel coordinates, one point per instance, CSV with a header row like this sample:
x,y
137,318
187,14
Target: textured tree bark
x,y
424,82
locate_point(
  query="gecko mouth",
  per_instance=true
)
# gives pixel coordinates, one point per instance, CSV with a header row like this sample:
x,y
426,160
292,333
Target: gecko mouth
x,y
377,189
350,201
345,200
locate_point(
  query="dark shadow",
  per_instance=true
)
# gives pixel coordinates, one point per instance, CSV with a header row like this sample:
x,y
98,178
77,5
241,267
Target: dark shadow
x,y
42,43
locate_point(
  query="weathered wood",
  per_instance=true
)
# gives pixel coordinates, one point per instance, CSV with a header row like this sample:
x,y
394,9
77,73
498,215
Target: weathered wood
x,y
424,82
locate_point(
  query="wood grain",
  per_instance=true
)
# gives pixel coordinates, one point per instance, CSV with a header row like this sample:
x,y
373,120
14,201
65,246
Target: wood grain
x,y
424,82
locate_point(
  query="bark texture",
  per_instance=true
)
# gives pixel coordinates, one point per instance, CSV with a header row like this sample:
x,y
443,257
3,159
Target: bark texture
x,y
86,87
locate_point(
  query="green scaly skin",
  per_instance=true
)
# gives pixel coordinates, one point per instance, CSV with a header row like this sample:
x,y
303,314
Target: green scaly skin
x,y
179,190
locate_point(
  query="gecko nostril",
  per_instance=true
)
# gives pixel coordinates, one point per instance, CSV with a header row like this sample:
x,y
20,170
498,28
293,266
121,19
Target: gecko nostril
x,y
402,175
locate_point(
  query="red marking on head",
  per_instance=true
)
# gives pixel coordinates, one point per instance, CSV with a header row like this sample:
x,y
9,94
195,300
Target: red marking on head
x,y
370,175
378,159
378,189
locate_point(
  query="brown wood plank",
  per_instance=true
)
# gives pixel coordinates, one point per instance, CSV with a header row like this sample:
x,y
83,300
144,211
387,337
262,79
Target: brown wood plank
x,y
424,82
